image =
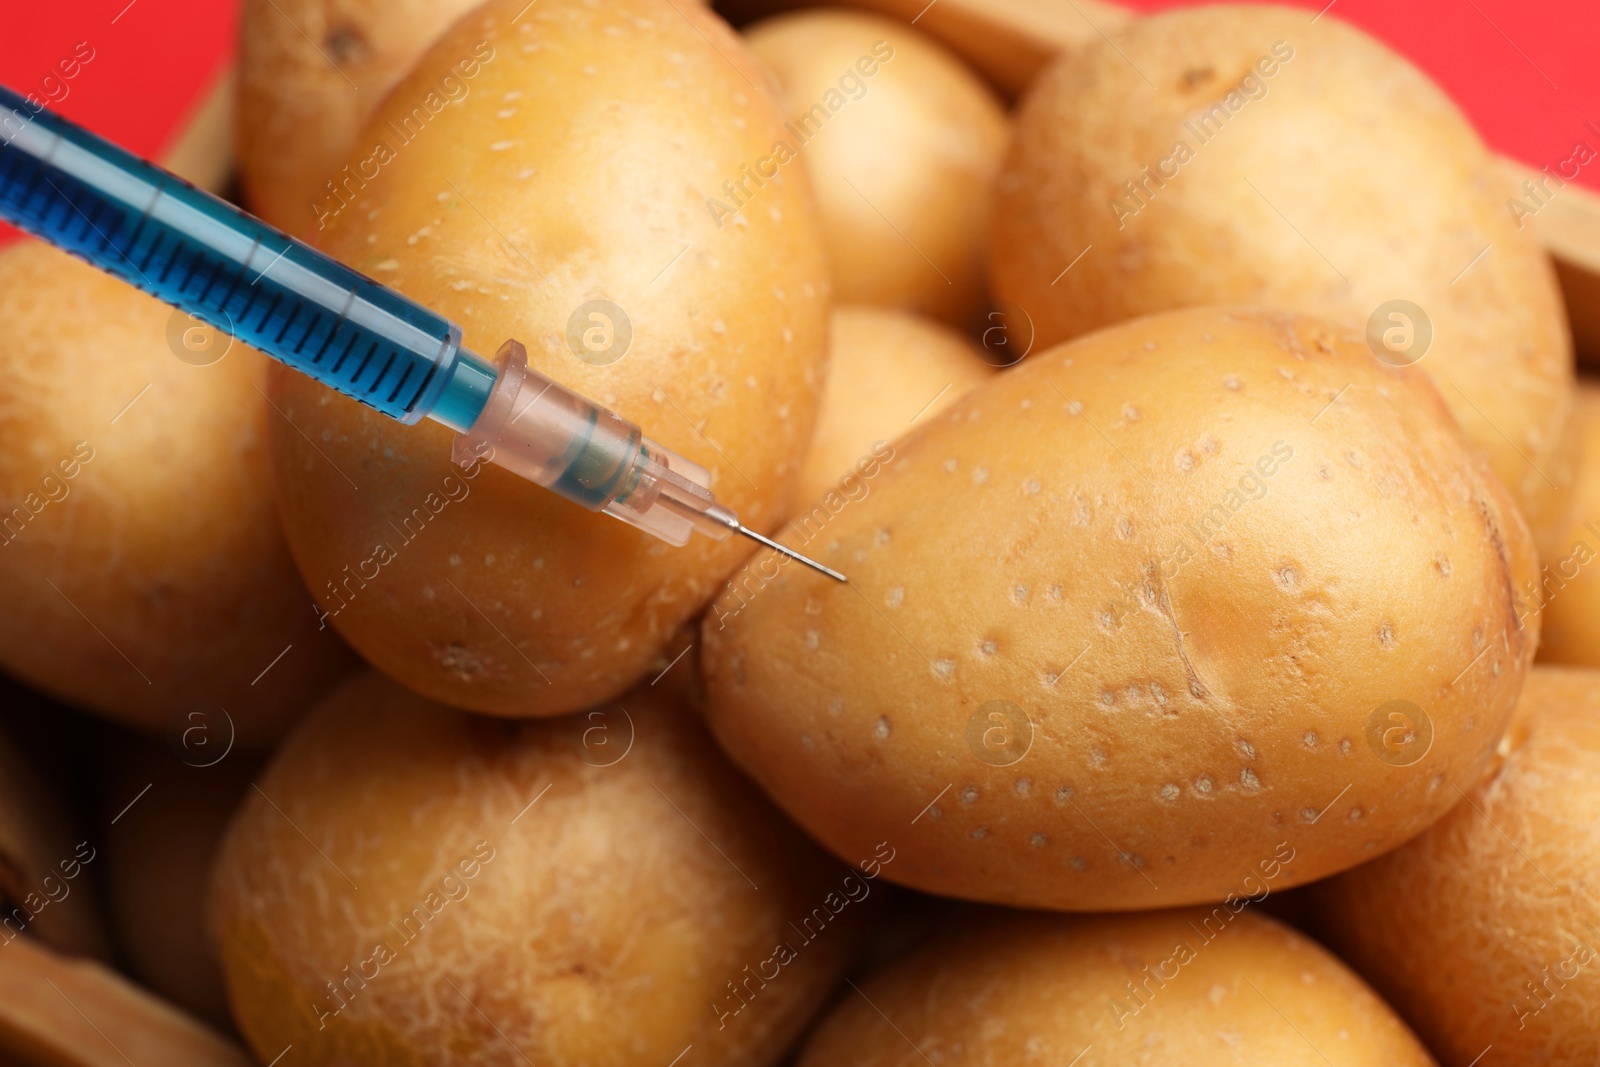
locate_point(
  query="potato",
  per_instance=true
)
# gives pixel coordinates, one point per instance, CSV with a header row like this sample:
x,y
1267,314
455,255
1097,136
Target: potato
x,y
311,72
1136,615
202,152
602,889
489,593
1007,41
886,369
1236,154
1568,590
142,566
1195,987
160,842
902,143
1482,930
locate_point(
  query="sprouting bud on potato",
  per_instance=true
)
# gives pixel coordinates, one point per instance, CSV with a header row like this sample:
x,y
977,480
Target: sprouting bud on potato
x,y
1246,154
902,142
311,72
1483,931
516,212
1136,613
886,370
412,884
143,571
1200,987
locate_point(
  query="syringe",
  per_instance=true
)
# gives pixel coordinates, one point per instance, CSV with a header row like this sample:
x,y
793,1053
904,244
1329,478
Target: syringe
x,y
202,255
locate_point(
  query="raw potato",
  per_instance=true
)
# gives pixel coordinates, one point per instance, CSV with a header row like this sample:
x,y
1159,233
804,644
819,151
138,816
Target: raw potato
x,y
1120,624
202,153
487,592
1568,590
1007,41
586,891
311,72
159,852
1297,165
885,369
142,566
902,143
1201,988
1483,930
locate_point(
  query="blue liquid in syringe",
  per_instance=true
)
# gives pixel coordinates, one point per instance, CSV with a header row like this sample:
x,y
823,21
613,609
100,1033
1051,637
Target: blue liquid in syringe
x,y
236,273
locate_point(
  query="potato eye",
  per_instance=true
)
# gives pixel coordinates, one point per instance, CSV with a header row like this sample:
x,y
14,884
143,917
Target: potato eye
x,y
1196,77
345,44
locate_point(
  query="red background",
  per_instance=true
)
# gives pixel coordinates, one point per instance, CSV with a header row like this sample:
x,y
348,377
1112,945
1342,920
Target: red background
x,y
1525,72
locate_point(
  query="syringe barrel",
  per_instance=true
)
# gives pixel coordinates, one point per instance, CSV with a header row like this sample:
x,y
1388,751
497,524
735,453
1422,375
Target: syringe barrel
x,y
184,246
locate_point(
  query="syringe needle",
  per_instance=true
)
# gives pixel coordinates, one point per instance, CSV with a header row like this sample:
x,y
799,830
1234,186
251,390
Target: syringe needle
x,y
791,553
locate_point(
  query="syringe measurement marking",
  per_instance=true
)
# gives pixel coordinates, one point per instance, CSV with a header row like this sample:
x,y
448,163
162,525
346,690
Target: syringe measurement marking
x,y
288,321
138,227
348,347
316,360
238,276
300,345
344,312
172,261
356,377
384,373
405,374
37,188
251,295
203,262
433,368
310,330
89,223
155,246
266,316
211,281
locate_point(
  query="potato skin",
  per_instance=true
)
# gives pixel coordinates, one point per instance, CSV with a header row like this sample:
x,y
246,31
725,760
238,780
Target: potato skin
x,y
1096,991
602,925
885,368
157,577
1190,557
1568,589
1481,930
311,72
511,600
1349,181
904,168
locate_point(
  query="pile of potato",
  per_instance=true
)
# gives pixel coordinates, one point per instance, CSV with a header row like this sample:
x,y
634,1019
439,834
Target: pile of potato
x,y
1198,430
